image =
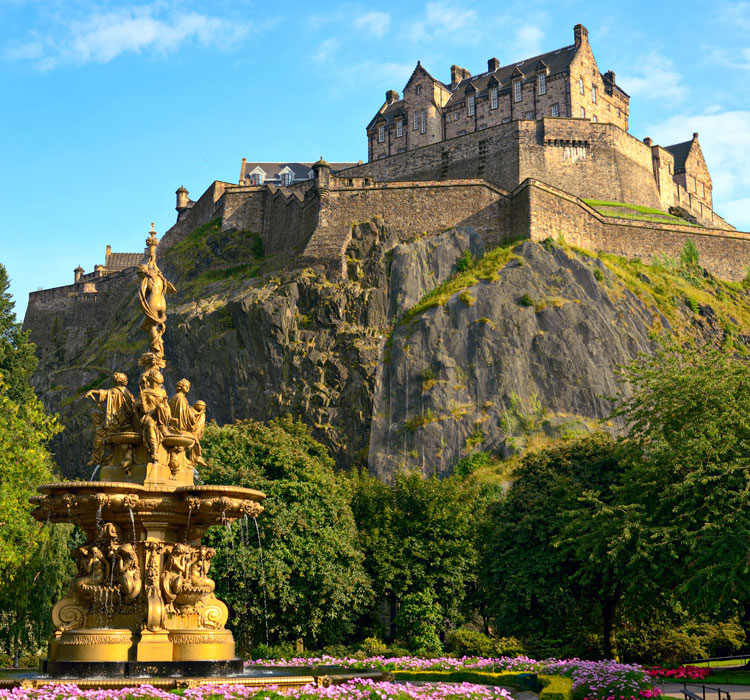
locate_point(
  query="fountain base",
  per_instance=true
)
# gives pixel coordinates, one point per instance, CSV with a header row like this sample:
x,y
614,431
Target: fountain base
x,y
74,670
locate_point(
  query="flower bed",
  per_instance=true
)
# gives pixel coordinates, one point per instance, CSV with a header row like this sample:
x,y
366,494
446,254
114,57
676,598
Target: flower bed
x,y
592,680
693,673
352,690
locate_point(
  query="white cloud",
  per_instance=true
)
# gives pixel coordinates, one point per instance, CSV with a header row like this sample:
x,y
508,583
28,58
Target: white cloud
x,y
325,50
738,58
103,36
725,141
735,15
529,40
658,80
375,23
441,18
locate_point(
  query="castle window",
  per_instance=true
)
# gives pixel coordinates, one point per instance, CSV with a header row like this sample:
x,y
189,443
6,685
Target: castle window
x,y
593,94
418,89
506,120
703,190
455,117
555,110
493,98
695,186
381,133
580,86
423,125
529,115
583,113
381,156
399,128
618,111
517,91
594,118
287,179
542,80
416,121
471,104
256,178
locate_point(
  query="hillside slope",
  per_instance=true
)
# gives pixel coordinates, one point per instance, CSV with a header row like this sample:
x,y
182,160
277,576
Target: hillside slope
x,y
407,362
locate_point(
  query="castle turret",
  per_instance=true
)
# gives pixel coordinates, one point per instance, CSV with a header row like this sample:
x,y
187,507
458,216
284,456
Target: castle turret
x,y
77,273
322,176
182,200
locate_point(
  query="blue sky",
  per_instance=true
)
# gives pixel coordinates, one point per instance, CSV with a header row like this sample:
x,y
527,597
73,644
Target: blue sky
x,y
107,107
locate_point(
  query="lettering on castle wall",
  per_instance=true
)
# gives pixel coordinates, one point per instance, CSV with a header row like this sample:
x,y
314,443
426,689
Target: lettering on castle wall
x,y
574,153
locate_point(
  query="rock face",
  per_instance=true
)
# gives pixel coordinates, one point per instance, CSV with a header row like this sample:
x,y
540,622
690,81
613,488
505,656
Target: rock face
x,y
530,345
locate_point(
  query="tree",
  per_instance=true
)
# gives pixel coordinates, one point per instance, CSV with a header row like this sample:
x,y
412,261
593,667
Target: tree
x,y
25,462
689,473
310,580
547,557
418,534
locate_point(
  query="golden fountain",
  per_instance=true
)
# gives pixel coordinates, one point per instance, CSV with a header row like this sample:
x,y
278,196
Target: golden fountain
x,y
142,602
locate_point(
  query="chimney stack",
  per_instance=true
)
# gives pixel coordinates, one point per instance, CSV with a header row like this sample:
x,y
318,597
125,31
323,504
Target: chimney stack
x,y
458,74
609,76
492,65
581,34
391,96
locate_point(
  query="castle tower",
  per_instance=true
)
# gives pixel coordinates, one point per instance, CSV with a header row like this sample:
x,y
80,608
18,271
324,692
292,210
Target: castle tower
x,y
182,200
77,273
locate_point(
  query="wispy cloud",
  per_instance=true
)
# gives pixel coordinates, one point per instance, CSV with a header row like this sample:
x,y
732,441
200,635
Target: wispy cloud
x,y
442,18
325,51
738,58
103,36
658,80
374,23
735,15
725,141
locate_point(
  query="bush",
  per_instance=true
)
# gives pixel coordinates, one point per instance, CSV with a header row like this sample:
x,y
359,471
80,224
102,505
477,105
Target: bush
x,y
418,620
665,646
464,262
509,646
689,256
465,642
374,646
469,464
720,638
526,300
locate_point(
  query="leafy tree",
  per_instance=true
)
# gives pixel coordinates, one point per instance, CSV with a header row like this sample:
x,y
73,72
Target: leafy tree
x,y
547,556
418,621
24,461
312,573
418,534
689,475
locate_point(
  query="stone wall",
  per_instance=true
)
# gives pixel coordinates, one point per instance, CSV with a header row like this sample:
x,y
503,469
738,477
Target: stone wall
x,y
553,213
205,209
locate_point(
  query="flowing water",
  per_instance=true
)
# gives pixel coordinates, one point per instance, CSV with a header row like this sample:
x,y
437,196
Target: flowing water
x,y
93,474
262,578
132,522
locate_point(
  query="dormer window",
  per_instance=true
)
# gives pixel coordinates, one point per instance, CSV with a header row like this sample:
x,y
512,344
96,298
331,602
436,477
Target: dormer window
x,y
256,178
542,82
287,179
493,98
399,128
517,91
471,104
580,86
381,133
593,93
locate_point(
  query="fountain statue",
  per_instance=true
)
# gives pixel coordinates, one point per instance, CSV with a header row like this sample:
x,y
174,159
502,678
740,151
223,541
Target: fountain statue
x,y
143,601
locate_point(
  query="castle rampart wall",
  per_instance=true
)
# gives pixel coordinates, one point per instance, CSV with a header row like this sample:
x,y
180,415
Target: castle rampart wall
x,y
553,212
205,209
407,209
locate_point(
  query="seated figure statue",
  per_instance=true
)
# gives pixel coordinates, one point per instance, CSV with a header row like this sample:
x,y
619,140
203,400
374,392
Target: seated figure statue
x,y
115,413
153,407
189,419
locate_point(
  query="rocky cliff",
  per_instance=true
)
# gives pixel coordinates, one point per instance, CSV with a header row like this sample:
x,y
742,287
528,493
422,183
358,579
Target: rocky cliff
x,y
422,353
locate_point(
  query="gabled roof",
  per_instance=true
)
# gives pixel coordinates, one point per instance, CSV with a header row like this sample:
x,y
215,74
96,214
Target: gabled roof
x,y
122,261
680,151
301,170
420,67
391,111
555,61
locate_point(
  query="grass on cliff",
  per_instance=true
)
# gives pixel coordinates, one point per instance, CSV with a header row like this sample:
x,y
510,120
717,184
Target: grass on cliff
x,y
621,210
680,290
471,271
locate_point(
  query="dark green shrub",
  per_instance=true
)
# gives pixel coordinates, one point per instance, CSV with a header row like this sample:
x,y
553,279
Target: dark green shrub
x,y
465,642
526,300
509,646
598,274
465,261
689,256
418,620
720,638
374,646
469,464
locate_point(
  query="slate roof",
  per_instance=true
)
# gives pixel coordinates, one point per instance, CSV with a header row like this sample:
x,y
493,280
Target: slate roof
x,y
122,261
301,170
680,152
556,61
389,114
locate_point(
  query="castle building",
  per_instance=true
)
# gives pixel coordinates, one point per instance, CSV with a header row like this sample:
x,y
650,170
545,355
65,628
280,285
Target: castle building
x,y
281,174
565,82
